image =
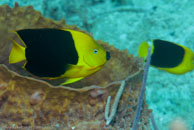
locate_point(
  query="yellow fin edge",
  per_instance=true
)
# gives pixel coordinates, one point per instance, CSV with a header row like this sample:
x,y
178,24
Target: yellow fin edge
x,y
71,80
17,53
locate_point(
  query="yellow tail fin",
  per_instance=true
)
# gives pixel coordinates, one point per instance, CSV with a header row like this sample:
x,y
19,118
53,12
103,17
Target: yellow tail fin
x,y
17,53
143,49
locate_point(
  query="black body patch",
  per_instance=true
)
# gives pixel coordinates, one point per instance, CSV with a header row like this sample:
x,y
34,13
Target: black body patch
x,y
48,51
166,54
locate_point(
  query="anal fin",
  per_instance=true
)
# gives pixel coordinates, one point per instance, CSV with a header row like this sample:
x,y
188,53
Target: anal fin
x,y
71,80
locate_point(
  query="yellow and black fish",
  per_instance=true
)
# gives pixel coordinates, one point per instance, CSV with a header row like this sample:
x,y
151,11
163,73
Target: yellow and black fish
x,y
168,56
58,53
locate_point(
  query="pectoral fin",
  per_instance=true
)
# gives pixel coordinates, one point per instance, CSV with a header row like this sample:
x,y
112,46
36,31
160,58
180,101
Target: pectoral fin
x,y
71,80
73,71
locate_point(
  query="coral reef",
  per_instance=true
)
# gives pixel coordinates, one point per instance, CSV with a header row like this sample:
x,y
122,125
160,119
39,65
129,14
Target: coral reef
x,y
26,102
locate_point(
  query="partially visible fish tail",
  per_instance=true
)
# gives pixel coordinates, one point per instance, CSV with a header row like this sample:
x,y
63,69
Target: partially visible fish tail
x,y
143,49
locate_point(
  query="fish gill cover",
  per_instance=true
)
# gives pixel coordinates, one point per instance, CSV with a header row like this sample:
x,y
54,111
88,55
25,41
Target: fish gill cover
x,y
27,102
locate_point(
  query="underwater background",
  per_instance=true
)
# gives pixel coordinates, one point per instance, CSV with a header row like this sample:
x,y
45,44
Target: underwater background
x,y
125,24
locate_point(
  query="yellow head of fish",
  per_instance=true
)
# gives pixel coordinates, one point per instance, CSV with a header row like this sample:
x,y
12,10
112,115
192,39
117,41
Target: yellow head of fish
x,y
91,54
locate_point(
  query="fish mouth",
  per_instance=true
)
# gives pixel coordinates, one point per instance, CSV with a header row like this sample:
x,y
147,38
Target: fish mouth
x,y
108,55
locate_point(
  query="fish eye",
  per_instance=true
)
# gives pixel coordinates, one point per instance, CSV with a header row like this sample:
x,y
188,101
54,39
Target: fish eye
x,y
95,51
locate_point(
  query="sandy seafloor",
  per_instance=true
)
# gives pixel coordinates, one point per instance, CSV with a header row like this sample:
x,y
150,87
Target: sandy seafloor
x,y
125,24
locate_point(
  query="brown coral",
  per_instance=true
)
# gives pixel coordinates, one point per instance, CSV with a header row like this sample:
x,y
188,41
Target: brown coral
x,y
28,102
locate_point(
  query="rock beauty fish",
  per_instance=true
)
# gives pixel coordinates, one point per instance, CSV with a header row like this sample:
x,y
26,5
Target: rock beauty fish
x,y
168,56
58,53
